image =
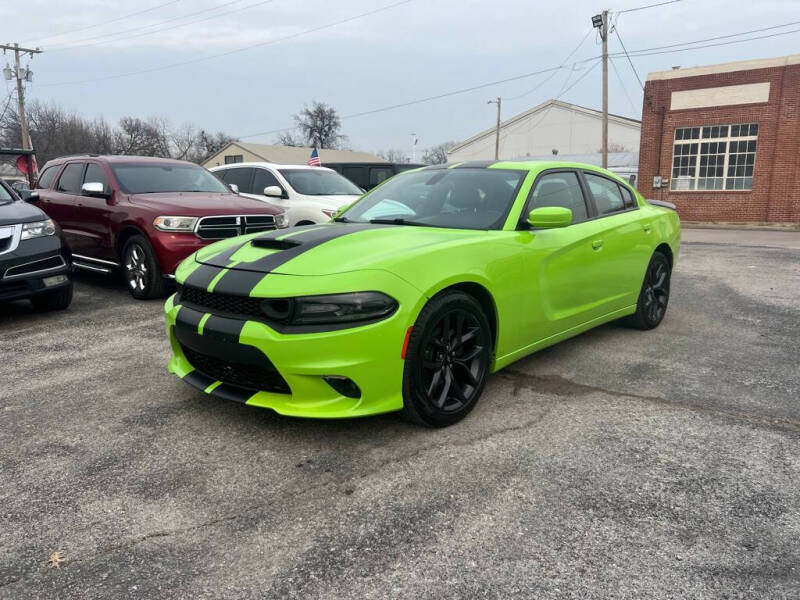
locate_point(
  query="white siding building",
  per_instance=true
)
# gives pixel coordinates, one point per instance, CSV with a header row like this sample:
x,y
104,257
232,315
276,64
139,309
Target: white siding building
x,y
553,125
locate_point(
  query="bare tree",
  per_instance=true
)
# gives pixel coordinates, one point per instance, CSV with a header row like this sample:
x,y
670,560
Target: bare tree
x,y
145,138
289,138
437,155
394,156
58,132
320,126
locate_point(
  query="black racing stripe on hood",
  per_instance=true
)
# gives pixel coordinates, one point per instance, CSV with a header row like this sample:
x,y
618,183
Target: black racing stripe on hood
x,y
202,275
242,279
238,283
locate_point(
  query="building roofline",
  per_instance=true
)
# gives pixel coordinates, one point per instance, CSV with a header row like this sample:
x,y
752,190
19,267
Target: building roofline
x,y
729,67
539,107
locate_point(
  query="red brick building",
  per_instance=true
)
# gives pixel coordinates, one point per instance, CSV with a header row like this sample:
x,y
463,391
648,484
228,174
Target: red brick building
x,y
722,142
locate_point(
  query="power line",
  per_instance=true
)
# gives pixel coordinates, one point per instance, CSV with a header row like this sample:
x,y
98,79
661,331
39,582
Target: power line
x,y
554,72
622,84
429,98
133,14
760,37
73,44
236,50
639,79
619,12
719,37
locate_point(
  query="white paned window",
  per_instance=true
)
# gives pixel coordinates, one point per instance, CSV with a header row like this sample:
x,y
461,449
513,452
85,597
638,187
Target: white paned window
x,y
718,157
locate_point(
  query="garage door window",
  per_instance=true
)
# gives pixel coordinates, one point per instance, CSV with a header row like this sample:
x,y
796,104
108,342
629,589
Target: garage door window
x,y
718,157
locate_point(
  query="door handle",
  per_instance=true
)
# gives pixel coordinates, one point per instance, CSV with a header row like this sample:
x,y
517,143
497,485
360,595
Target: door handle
x,y
647,228
597,244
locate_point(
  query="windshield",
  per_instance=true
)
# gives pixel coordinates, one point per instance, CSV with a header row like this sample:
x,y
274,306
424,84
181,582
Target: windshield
x,y
467,198
313,182
152,179
5,196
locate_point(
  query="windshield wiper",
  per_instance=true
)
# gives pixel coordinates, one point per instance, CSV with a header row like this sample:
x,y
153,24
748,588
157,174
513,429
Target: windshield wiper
x,y
400,221
341,219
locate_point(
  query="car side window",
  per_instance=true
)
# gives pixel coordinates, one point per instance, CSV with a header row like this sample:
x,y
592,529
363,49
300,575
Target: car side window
x,y
262,179
95,174
559,189
606,193
70,180
627,197
241,178
46,178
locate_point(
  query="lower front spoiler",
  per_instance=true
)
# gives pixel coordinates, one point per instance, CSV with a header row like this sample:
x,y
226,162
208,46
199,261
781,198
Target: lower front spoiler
x,y
301,361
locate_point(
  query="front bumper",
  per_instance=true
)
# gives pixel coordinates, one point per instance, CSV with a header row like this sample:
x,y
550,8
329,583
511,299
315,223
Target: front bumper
x,y
369,355
35,266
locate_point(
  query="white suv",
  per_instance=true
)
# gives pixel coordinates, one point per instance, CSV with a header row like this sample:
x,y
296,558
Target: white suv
x,y
307,194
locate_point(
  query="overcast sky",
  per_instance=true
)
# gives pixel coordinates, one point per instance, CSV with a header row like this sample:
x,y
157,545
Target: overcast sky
x,y
411,50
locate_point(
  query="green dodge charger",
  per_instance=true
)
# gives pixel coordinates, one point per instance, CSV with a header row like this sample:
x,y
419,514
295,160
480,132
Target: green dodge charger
x,y
419,290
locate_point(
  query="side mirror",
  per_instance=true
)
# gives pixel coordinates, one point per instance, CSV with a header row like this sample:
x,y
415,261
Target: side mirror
x,y
549,217
29,195
234,188
273,191
95,189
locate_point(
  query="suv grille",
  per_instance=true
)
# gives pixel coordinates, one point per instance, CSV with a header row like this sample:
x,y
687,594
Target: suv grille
x,y
265,378
216,228
225,304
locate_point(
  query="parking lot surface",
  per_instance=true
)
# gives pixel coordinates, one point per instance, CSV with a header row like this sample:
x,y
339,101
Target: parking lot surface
x,y
619,464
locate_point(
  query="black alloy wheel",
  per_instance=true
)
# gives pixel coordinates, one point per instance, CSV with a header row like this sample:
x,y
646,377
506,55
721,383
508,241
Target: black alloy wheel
x,y
141,270
447,360
654,296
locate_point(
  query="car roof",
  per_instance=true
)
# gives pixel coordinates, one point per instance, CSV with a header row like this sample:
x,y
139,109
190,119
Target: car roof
x,y
267,164
121,158
519,165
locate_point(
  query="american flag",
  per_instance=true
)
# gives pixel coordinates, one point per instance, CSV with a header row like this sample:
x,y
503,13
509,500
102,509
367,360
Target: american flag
x,y
313,160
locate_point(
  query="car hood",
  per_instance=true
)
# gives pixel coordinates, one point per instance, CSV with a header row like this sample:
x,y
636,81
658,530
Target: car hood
x,y
333,248
19,212
201,203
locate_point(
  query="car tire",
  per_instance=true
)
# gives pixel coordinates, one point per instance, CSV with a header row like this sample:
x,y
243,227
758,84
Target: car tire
x,y
447,360
654,295
304,222
141,269
55,300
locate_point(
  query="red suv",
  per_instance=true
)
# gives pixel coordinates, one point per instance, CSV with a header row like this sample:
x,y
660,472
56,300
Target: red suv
x,y
143,215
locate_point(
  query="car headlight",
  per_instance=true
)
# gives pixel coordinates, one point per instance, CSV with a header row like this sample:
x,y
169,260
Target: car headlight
x,y
185,224
331,309
38,229
281,220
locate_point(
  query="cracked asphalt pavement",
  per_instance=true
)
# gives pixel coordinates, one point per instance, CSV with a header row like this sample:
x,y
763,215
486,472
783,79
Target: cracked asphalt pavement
x,y
619,464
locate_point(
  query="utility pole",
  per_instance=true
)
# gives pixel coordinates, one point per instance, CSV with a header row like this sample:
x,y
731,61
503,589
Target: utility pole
x,y
22,74
604,36
499,103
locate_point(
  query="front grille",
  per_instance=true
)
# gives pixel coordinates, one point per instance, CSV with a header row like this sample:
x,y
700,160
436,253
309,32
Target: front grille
x,y
216,228
45,264
223,304
265,378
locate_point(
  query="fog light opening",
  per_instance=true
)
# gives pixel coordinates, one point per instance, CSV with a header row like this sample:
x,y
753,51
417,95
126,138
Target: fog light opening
x,y
344,385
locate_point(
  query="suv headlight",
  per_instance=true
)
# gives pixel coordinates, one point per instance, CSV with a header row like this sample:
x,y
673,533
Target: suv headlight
x,y
38,229
185,224
281,220
330,309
